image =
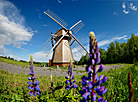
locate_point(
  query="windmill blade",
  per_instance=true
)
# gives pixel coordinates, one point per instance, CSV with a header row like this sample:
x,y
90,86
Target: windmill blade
x,y
76,27
79,42
3,40
46,46
57,19
56,43
79,48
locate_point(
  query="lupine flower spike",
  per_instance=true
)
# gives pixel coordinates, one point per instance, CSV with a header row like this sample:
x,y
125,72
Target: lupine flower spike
x,y
93,80
33,86
70,83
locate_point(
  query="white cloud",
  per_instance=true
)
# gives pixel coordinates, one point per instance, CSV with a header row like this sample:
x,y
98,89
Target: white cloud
x,y
126,12
79,51
127,7
35,31
15,57
41,57
24,43
119,38
123,5
17,45
2,50
115,13
12,25
30,44
77,56
59,1
133,7
107,41
24,50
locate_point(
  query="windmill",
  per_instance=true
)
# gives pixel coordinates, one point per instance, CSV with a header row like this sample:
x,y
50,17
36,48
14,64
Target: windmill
x,y
63,39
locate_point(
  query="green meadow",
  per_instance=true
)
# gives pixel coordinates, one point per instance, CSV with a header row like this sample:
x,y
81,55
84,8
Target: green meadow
x,y
14,87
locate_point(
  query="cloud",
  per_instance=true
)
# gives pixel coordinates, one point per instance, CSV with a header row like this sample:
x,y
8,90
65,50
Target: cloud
x,y
45,25
79,51
115,13
17,45
40,15
133,7
24,50
77,56
126,12
15,57
123,5
127,7
12,25
119,38
41,57
59,1
108,41
2,50
35,31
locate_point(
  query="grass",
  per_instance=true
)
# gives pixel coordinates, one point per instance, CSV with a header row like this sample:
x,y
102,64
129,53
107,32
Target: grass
x,y
17,63
14,87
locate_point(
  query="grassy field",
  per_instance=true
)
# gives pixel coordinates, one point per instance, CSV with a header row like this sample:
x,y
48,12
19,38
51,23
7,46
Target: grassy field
x,y
15,88
18,63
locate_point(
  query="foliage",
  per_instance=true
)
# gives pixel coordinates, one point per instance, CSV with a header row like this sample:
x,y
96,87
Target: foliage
x,y
121,52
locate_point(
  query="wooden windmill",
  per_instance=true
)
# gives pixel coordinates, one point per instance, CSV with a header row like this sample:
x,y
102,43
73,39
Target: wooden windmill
x,y
63,39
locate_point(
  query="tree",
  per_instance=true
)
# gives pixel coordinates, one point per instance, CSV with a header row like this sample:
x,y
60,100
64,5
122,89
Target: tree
x,y
103,55
118,52
111,53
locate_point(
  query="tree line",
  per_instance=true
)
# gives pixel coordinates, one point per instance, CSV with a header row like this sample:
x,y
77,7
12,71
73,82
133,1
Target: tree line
x,y
126,52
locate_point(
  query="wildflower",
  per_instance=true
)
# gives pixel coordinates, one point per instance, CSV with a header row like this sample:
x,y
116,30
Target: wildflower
x,y
93,80
33,86
70,83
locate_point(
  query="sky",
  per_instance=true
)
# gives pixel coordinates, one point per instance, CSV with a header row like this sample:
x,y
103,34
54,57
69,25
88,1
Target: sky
x,y
25,27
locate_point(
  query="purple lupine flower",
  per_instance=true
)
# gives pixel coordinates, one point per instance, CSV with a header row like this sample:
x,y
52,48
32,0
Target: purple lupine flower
x,y
88,82
33,86
70,83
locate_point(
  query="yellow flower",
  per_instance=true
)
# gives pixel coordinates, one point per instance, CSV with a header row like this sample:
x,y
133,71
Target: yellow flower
x,y
51,77
92,35
31,58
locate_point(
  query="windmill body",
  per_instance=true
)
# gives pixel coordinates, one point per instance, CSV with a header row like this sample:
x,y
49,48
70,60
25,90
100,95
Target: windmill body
x,y
63,39
62,52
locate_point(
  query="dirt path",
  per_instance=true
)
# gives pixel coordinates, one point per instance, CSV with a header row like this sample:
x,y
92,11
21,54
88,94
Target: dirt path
x,y
42,71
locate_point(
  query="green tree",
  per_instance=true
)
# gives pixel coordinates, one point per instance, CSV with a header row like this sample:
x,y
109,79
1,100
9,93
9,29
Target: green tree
x,y
111,53
133,47
103,55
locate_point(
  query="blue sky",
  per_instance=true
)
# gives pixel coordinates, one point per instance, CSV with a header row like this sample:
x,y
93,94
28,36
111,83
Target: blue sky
x,y
26,27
